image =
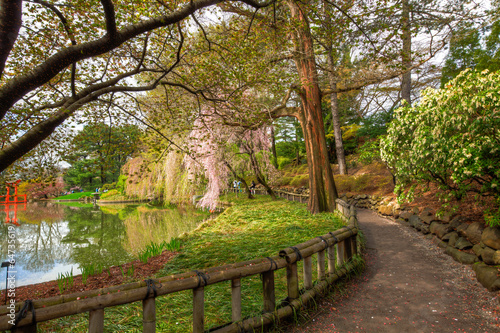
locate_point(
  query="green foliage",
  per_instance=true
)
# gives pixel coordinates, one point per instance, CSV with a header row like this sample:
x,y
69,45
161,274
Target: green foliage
x,y
451,138
98,152
154,249
473,47
369,152
65,281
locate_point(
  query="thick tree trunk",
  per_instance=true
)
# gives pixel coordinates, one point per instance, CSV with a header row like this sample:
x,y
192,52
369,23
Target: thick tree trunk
x,y
10,23
321,184
406,54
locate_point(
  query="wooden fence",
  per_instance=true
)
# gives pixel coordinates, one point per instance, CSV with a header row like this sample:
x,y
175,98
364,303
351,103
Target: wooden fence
x,y
336,247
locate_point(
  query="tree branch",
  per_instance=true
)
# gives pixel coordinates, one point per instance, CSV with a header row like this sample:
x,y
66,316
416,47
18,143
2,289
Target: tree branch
x,y
109,13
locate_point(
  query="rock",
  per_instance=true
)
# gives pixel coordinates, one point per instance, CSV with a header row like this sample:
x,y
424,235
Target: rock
x,y
496,257
491,237
427,218
478,249
415,210
461,257
488,256
461,229
405,215
414,221
457,221
463,244
363,196
487,276
446,217
448,235
385,210
439,242
474,232
426,212
439,229
424,228
453,239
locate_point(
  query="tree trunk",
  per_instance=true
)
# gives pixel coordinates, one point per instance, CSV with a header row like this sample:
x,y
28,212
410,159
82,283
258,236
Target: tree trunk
x,y
339,145
258,174
273,148
321,184
406,53
245,185
334,102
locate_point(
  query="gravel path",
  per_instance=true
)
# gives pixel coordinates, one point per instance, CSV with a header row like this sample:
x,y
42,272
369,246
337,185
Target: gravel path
x,y
409,285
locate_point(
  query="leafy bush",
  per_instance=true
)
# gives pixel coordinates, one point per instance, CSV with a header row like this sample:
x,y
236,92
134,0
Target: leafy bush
x,y
110,193
451,138
300,180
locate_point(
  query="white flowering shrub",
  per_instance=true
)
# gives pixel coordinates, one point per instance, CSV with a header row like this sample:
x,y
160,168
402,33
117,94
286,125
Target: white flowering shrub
x,y
450,138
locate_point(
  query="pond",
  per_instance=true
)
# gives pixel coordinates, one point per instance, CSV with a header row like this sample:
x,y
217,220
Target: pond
x,y
56,238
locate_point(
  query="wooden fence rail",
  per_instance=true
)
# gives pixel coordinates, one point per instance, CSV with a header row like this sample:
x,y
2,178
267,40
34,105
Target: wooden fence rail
x,y
338,246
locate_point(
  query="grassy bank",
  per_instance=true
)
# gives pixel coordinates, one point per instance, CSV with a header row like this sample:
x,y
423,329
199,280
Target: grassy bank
x,y
74,196
249,229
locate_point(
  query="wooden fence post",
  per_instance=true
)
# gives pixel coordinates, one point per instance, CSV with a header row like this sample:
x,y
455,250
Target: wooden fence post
x,y
236,299
292,279
331,259
149,315
340,253
308,279
198,309
348,249
96,321
321,265
268,289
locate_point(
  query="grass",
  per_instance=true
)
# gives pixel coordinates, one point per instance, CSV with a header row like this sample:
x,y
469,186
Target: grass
x,y
65,281
247,230
74,196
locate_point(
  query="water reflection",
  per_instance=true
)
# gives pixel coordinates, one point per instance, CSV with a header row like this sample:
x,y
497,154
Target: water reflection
x,y
55,238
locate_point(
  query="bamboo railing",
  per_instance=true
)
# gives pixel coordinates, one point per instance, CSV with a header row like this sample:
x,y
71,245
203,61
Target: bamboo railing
x,y
336,248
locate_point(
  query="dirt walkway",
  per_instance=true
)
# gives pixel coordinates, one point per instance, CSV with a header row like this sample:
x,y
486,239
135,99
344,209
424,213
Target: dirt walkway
x,y
409,285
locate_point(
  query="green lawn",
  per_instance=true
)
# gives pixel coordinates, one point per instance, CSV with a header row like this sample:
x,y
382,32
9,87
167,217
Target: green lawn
x,y
75,196
247,230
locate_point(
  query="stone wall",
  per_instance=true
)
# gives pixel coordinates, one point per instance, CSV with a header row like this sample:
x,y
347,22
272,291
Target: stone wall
x,y
468,242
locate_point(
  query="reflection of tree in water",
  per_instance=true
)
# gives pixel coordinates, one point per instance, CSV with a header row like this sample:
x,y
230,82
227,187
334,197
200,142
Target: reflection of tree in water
x,y
96,237
156,225
41,247
38,238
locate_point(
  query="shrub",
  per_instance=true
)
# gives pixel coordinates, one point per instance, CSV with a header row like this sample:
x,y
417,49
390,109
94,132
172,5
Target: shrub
x,y
451,138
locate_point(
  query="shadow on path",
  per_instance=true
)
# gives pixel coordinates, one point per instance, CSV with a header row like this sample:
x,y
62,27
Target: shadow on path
x,y
409,285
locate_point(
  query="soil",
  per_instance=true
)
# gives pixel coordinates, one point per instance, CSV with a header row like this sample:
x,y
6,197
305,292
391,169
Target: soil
x,y
116,275
409,285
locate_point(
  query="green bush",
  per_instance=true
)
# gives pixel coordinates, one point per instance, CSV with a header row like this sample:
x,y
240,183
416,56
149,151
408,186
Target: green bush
x,y
451,138
109,194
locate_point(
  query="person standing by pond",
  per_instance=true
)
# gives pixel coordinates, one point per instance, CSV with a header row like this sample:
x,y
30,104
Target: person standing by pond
x,y
252,187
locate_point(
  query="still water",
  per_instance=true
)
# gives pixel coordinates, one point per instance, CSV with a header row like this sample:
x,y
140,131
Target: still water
x,y
52,238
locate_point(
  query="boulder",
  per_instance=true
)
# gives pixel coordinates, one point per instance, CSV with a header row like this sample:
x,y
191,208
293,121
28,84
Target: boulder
x,y
487,276
426,212
461,229
446,217
474,232
427,218
405,215
490,256
414,221
451,237
457,221
385,210
415,210
478,249
439,229
461,257
491,237
463,244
